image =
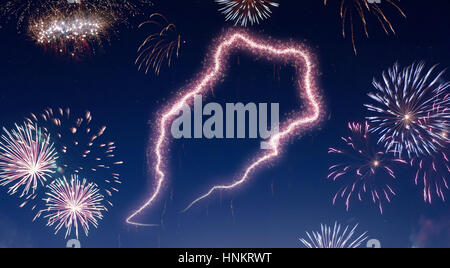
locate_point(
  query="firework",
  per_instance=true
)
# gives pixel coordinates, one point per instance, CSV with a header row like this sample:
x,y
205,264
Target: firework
x,y
74,203
27,160
433,170
23,10
71,27
432,173
162,45
329,237
83,148
114,11
297,55
74,34
363,8
407,115
243,12
365,169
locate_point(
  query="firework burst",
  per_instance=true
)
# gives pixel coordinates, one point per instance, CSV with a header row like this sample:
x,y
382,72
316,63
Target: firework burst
x,y
83,147
27,160
73,204
23,10
432,173
243,12
433,170
115,11
407,114
160,46
74,35
363,9
71,27
365,169
336,237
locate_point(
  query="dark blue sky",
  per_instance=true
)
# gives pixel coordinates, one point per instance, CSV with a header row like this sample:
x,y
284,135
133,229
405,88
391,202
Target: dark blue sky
x,y
109,85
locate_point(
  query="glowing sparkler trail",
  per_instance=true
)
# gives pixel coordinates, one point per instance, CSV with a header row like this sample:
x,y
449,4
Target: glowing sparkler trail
x,y
27,159
328,238
72,203
228,43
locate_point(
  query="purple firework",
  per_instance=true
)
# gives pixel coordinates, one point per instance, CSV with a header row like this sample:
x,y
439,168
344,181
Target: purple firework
x,y
364,169
73,203
404,101
27,160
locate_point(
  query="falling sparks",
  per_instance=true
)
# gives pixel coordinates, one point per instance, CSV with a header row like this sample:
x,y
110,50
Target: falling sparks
x,y
407,116
164,44
365,169
212,75
433,170
83,147
243,12
24,10
72,205
363,8
27,159
336,237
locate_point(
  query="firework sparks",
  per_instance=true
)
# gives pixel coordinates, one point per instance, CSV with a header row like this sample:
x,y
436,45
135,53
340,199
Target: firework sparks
x,y
71,27
433,170
213,73
83,147
362,8
74,203
329,237
74,35
114,11
432,173
246,11
23,10
370,170
159,46
407,115
27,159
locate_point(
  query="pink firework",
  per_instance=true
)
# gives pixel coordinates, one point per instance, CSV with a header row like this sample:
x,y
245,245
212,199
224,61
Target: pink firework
x,y
365,170
433,169
83,146
27,160
297,55
432,173
74,203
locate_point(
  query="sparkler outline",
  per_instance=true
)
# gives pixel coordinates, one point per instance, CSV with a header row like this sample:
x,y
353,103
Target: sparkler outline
x,y
238,39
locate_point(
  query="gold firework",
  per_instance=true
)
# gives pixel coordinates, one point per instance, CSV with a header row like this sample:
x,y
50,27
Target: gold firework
x,y
26,11
159,46
363,8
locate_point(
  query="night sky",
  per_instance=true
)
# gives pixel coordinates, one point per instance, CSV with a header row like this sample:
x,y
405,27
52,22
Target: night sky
x,y
109,85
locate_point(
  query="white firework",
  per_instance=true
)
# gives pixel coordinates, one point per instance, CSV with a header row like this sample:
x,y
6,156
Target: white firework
x,y
334,238
243,12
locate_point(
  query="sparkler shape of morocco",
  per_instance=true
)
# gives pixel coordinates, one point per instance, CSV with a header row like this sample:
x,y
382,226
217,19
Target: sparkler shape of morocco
x,y
294,54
